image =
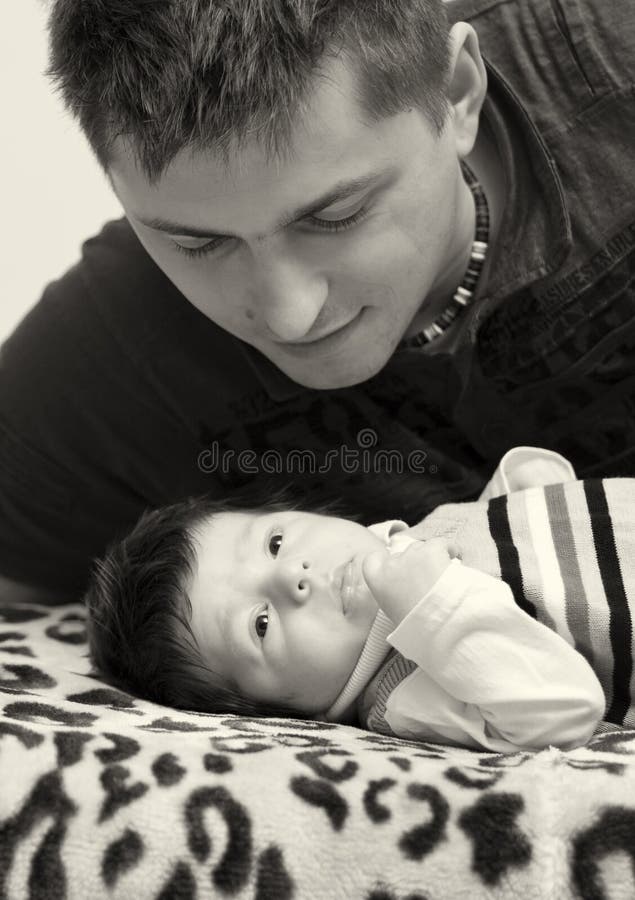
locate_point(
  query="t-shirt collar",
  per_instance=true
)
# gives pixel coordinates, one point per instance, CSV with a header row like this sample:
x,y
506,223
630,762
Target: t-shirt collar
x,y
535,231
278,385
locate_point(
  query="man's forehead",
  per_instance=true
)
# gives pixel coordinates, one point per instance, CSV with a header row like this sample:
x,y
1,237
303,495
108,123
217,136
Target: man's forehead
x,y
326,135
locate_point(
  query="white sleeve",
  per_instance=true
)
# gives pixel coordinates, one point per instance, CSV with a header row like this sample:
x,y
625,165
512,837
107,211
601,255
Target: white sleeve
x,y
488,674
524,467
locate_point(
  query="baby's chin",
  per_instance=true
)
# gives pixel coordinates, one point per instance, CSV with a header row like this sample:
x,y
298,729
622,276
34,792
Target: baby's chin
x,y
371,609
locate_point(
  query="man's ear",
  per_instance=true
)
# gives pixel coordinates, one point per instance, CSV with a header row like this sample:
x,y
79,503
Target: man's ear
x,y
467,86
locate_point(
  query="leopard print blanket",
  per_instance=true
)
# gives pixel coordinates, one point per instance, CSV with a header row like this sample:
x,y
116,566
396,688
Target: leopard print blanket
x,y
105,795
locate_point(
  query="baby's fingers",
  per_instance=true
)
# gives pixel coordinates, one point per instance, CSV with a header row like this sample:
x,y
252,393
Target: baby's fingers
x,y
374,569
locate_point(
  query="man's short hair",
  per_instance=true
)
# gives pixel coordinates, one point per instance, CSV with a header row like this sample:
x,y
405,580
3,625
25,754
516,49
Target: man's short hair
x,y
213,75
139,612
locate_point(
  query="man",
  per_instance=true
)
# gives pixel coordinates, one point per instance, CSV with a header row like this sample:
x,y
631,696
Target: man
x,y
345,233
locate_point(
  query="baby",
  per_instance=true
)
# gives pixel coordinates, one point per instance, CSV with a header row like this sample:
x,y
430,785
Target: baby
x,y
501,624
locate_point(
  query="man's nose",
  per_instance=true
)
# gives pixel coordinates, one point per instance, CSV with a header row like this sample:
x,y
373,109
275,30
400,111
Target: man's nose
x,y
288,299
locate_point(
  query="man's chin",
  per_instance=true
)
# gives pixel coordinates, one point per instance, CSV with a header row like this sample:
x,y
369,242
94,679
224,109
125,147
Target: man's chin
x,y
346,357
329,377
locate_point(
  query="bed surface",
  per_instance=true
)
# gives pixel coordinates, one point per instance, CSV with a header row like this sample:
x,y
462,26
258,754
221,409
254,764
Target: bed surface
x,y
106,795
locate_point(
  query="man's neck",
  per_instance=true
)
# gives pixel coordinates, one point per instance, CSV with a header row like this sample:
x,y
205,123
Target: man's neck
x,y
485,163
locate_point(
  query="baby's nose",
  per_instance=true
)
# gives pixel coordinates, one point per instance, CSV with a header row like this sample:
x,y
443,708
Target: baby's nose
x,y
295,579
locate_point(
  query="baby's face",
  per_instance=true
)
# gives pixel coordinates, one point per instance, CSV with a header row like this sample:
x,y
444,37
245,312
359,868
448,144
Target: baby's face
x,y
279,603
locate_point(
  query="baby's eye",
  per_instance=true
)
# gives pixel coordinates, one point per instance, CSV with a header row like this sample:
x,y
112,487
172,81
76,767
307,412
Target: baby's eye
x,y
274,543
262,620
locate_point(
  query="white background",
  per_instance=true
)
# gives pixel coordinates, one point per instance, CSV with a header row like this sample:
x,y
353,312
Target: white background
x,y
55,196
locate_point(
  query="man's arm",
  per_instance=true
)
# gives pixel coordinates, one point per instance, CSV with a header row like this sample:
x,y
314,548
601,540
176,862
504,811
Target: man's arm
x,y
16,592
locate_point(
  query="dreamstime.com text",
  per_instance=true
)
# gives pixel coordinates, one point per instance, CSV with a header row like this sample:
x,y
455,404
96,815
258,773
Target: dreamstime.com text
x,y
365,458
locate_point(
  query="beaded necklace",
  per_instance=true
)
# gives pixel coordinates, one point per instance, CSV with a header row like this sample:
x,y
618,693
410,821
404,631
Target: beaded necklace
x,y
465,291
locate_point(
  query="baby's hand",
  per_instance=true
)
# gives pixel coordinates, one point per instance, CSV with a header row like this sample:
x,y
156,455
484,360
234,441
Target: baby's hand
x,y
399,581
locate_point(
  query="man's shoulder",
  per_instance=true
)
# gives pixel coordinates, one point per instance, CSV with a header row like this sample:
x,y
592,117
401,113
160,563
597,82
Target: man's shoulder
x,y
113,272
117,283
134,298
598,36
104,393
500,10
116,312
464,10
17,592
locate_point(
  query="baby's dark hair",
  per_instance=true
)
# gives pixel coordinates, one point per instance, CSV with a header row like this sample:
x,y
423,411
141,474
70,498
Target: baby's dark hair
x,y
138,609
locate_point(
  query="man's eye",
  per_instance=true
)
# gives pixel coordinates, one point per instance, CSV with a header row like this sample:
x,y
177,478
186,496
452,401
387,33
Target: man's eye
x,y
332,226
274,543
262,620
202,250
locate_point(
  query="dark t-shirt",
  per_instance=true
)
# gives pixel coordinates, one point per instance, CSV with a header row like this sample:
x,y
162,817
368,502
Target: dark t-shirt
x,y
117,395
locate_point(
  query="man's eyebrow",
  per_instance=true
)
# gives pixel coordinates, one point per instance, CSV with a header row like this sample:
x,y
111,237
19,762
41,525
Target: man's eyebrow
x,y
339,191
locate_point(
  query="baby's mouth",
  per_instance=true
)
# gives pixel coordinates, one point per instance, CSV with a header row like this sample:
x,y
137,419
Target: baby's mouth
x,y
343,582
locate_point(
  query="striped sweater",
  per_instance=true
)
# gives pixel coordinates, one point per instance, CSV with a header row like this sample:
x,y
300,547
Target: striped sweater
x,y
567,552
563,549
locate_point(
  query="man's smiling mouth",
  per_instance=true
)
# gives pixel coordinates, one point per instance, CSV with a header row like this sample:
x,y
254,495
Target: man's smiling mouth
x,y
331,341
